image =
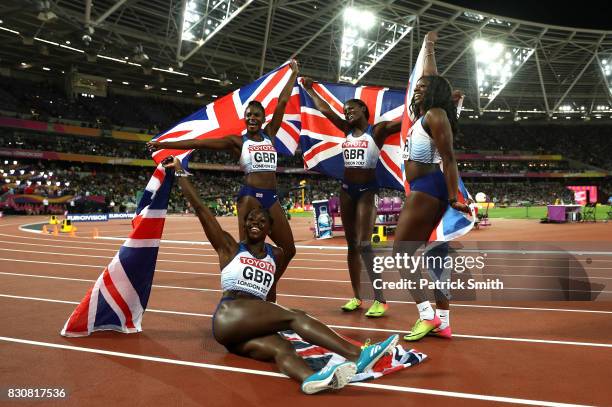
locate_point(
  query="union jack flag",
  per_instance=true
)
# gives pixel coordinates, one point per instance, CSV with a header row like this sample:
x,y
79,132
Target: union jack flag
x,y
225,116
119,297
318,358
321,141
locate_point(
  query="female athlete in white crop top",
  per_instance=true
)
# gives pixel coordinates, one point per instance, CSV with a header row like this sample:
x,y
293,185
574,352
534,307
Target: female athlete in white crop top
x,y
430,144
360,151
247,325
258,159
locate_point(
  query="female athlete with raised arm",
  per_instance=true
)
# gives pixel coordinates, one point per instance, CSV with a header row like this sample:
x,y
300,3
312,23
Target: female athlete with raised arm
x,y
360,151
429,144
258,160
247,325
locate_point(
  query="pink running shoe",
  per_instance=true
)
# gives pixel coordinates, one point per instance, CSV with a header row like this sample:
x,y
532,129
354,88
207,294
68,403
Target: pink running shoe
x,y
442,333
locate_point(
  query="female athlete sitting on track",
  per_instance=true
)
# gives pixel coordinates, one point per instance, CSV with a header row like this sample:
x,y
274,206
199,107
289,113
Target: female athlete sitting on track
x,y
247,325
430,142
360,151
258,160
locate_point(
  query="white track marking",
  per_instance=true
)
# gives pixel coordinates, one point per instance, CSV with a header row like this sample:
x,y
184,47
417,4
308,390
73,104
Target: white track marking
x,y
361,328
294,295
156,311
297,258
184,243
442,393
158,260
197,273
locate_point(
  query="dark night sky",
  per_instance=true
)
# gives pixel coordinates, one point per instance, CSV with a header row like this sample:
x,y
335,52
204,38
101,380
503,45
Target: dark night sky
x,y
594,14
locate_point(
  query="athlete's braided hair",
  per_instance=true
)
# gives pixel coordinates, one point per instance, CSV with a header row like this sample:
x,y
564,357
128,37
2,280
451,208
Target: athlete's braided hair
x,y
437,94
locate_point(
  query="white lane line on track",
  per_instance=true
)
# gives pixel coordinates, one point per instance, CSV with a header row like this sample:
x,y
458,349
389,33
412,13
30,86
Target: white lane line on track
x,y
158,260
494,251
184,245
357,328
197,273
161,252
298,257
156,311
290,267
23,228
294,295
433,392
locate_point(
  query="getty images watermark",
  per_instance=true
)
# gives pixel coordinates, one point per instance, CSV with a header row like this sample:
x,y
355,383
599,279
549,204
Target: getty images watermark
x,y
407,266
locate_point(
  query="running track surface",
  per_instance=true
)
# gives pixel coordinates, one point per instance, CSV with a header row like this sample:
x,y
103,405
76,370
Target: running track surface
x,y
538,353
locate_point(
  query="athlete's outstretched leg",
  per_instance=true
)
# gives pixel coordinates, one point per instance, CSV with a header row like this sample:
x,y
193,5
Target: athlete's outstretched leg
x,y
241,320
275,348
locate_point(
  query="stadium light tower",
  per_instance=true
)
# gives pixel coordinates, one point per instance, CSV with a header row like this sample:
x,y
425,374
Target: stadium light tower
x,y
496,64
202,19
605,64
366,39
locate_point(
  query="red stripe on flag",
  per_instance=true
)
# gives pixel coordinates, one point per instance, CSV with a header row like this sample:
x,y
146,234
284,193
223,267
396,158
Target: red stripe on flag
x,y
395,169
291,130
327,96
110,286
316,150
172,135
147,228
314,351
434,234
78,321
369,95
321,125
161,155
276,78
159,174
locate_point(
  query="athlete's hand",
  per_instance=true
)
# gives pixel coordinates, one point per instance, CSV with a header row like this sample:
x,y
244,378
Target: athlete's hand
x,y
154,146
456,96
307,82
461,207
173,163
431,36
294,66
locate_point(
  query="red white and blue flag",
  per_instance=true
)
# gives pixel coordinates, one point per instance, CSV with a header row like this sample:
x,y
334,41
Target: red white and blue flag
x,y
318,358
119,297
321,141
225,116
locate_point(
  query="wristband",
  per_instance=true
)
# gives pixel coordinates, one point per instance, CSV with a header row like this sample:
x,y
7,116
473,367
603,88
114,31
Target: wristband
x,y
452,201
182,173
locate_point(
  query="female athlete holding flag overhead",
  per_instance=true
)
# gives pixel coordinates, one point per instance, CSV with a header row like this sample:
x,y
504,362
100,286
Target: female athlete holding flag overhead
x,y
429,144
247,325
258,160
360,151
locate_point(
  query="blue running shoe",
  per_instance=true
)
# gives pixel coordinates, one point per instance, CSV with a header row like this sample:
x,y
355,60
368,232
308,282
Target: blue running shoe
x,y
370,354
330,378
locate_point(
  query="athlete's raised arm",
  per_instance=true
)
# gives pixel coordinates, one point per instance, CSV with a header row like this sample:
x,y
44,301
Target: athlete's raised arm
x,y
277,118
221,241
324,107
229,143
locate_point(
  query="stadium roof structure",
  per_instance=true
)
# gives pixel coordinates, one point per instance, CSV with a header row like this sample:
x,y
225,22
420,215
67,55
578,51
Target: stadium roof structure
x,y
506,67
